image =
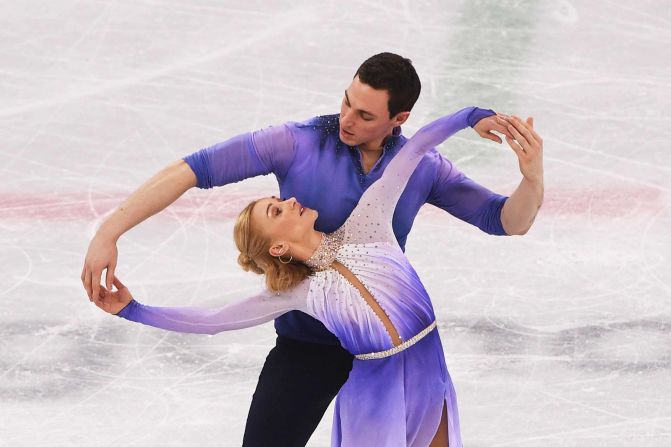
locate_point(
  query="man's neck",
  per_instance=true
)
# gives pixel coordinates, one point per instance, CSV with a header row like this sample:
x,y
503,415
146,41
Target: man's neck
x,y
371,153
369,158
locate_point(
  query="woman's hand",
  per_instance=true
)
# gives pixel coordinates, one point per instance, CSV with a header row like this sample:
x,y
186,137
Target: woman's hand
x,y
112,302
485,126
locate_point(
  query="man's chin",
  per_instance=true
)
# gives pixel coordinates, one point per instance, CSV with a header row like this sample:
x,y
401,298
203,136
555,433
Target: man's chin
x,y
347,139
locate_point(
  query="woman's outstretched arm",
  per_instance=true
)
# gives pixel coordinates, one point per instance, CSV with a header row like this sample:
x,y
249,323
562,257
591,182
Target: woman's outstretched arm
x,y
371,220
248,312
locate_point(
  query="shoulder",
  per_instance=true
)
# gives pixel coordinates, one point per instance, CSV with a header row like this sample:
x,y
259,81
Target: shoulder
x,y
322,123
322,128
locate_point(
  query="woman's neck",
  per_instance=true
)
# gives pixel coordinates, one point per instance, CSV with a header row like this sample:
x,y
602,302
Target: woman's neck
x,y
302,250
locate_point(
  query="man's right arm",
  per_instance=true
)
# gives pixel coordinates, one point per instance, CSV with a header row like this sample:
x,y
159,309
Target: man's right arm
x,y
247,155
156,194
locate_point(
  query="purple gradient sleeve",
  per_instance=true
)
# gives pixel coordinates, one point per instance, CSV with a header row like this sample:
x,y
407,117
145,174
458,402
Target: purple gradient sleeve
x,y
465,199
245,313
371,220
270,150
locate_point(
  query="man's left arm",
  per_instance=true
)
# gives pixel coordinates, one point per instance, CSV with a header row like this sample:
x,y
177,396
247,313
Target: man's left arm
x,y
473,203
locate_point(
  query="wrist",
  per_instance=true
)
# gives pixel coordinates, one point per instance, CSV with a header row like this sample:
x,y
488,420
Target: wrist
x,y
123,312
108,232
478,114
536,182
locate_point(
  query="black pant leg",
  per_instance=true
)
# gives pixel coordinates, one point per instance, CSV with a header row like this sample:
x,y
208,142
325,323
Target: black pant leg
x,y
297,383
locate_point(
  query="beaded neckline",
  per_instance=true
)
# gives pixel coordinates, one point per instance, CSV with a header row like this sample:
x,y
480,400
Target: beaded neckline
x,y
326,252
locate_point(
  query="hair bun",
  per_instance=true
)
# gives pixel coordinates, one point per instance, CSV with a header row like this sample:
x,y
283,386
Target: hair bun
x,y
249,264
246,260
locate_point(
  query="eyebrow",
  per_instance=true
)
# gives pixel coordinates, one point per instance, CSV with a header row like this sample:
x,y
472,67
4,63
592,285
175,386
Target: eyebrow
x,y
362,111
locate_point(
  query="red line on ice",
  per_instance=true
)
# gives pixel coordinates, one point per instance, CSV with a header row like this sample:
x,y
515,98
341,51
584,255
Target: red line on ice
x,y
225,205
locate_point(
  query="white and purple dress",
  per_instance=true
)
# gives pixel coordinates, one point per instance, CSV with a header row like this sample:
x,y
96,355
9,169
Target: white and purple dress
x,y
399,382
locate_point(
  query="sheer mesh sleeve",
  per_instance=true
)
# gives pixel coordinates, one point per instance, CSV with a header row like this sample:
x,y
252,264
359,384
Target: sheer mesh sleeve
x,y
371,219
245,313
256,153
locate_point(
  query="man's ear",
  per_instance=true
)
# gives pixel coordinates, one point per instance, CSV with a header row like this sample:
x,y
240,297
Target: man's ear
x,y
278,248
400,118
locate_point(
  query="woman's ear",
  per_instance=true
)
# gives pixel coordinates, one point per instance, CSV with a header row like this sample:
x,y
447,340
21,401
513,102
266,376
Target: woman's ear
x,y
278,248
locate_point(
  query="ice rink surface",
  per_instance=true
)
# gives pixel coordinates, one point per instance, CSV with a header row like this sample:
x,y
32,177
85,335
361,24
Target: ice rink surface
x,y
561,337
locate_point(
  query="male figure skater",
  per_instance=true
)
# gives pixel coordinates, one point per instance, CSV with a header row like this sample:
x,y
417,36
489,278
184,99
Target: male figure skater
x,y
336,157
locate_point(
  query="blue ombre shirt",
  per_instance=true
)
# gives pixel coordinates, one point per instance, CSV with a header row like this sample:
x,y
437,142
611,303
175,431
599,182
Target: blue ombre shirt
x,y
313,165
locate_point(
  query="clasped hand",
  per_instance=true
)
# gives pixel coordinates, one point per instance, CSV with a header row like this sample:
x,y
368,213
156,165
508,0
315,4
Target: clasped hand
x,y
113,301
521,137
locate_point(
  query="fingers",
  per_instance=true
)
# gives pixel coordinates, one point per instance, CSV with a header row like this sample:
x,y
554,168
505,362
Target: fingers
x,y
119,285
530,121
94,281
525,129
520,132
109,275
514,145
537,137
493,137
519,138
102,301
487,126
503,126
83,277
87,284
524,133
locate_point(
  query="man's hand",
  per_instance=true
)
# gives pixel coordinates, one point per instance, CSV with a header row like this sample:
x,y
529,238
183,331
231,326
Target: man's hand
x,y
528,146
101,255
485,126
519,211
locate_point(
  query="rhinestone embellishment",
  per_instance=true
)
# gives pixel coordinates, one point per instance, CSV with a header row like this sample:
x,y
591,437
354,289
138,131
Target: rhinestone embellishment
x,y
396,349
326,252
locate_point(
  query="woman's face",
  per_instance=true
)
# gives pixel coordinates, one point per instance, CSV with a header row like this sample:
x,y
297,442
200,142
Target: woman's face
x,y
285,220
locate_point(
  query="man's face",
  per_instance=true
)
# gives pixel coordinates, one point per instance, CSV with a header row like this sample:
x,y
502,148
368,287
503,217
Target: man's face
x,y
364,115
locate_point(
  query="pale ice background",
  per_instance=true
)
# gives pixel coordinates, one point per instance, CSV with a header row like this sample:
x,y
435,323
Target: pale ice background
x,y
561,337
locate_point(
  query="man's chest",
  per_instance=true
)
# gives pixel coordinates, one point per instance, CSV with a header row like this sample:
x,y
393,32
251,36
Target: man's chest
x,y
333,183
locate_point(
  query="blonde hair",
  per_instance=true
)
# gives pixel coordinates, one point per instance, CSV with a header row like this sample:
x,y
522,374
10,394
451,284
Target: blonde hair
x,y
254,255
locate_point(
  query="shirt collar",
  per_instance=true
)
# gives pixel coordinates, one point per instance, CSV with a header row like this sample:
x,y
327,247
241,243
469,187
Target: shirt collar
x,y
392,140
388,143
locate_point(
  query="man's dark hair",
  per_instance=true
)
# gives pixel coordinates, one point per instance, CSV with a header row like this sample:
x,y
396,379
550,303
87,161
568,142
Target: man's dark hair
x,y
396,75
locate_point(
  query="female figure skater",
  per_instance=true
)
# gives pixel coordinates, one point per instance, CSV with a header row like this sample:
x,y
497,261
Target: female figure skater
x,y
358,282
